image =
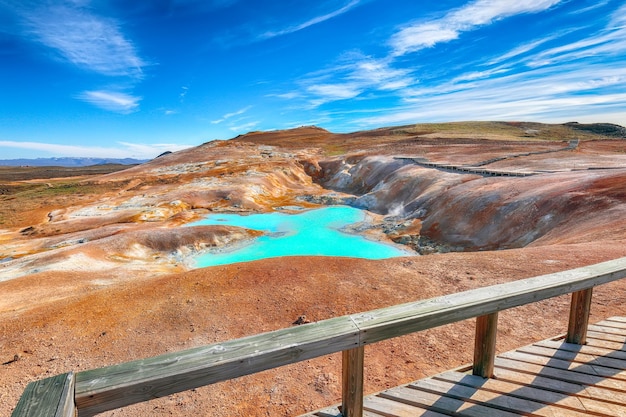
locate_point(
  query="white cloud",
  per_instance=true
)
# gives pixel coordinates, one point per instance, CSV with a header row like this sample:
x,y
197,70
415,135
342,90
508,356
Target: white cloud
x,y
476,75
86,40
153,149
183,93
567,92
335,91
477,13
288,96
520,50
611,42
356,76
311,22
230,115
111,100
244,128
122,150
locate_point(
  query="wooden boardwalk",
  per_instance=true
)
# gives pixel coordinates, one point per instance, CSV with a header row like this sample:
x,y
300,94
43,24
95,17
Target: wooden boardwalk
x,y
548,378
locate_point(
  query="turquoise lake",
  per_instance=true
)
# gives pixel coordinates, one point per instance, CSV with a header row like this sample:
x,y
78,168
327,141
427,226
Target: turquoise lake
x,y
309,233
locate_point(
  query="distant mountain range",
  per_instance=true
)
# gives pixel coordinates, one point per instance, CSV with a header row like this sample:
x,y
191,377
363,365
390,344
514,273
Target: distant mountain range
x,y
69,162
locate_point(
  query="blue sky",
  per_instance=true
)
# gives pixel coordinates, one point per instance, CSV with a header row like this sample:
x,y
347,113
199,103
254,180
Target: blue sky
x,y
133,79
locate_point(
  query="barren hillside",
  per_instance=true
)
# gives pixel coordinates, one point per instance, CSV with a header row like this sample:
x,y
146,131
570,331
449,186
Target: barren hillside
x,y
96,270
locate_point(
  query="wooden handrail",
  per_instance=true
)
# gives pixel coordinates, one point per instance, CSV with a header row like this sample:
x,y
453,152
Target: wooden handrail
x,y
50,397
103,389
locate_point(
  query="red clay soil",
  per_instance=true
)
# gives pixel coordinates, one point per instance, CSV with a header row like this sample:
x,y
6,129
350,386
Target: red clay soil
x,y
101,276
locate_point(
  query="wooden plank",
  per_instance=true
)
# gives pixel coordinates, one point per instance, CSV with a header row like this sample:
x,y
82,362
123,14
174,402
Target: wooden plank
x,y
502,402
592,334
116,386
485,345
608,330
577,357
50,397
617,319
581,391
614,346
352,382
388,408
442,404
612,323
407,318
334,412
579,316
510,388
559,374
325,412
602,352
527,390
584,368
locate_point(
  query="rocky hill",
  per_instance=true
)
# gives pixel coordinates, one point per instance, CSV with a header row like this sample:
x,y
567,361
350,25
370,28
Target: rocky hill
x,y
96,270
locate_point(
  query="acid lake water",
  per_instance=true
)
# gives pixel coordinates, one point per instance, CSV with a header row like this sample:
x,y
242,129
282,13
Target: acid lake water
x,y
309,233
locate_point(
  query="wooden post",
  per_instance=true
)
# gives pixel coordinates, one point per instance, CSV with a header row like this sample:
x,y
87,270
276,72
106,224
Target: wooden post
x,y
50,397
485,344
579,317
352,382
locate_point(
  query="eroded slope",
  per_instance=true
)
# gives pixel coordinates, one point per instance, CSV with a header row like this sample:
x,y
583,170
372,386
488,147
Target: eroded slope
x,y
94,271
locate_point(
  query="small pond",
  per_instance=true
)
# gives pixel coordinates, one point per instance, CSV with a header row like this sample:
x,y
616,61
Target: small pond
x,y
309,233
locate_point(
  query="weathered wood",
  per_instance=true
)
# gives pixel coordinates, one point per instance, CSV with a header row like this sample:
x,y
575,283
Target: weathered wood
x,y
609,330
589,368
560,374
613,323
573,356
443,404
116,386
50,397
541,379
485,345
501,402
352,382
579,316
593,336
324,412
385,407
544,394
578,390
617,319
407,318
598,351
526,391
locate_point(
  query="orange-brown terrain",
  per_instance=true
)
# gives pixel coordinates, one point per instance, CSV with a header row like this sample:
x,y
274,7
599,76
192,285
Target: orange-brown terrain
x,y
95,270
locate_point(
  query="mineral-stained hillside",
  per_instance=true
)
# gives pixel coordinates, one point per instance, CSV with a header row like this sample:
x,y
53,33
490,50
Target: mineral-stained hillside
x,y
97,270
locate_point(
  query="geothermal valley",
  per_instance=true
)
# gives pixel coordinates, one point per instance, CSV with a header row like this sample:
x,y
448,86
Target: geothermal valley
x,y
96,267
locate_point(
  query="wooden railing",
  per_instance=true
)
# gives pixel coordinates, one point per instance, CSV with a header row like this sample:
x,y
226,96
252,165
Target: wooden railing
x,y
98,390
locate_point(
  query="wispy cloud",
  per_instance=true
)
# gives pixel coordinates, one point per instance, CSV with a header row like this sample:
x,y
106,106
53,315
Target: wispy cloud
x,y
426,34
358,74
520,50
87,40
243,128
580,78
546,94
335,91
609,42
111,100
152,149
230,115
183,93
311,22
121,150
